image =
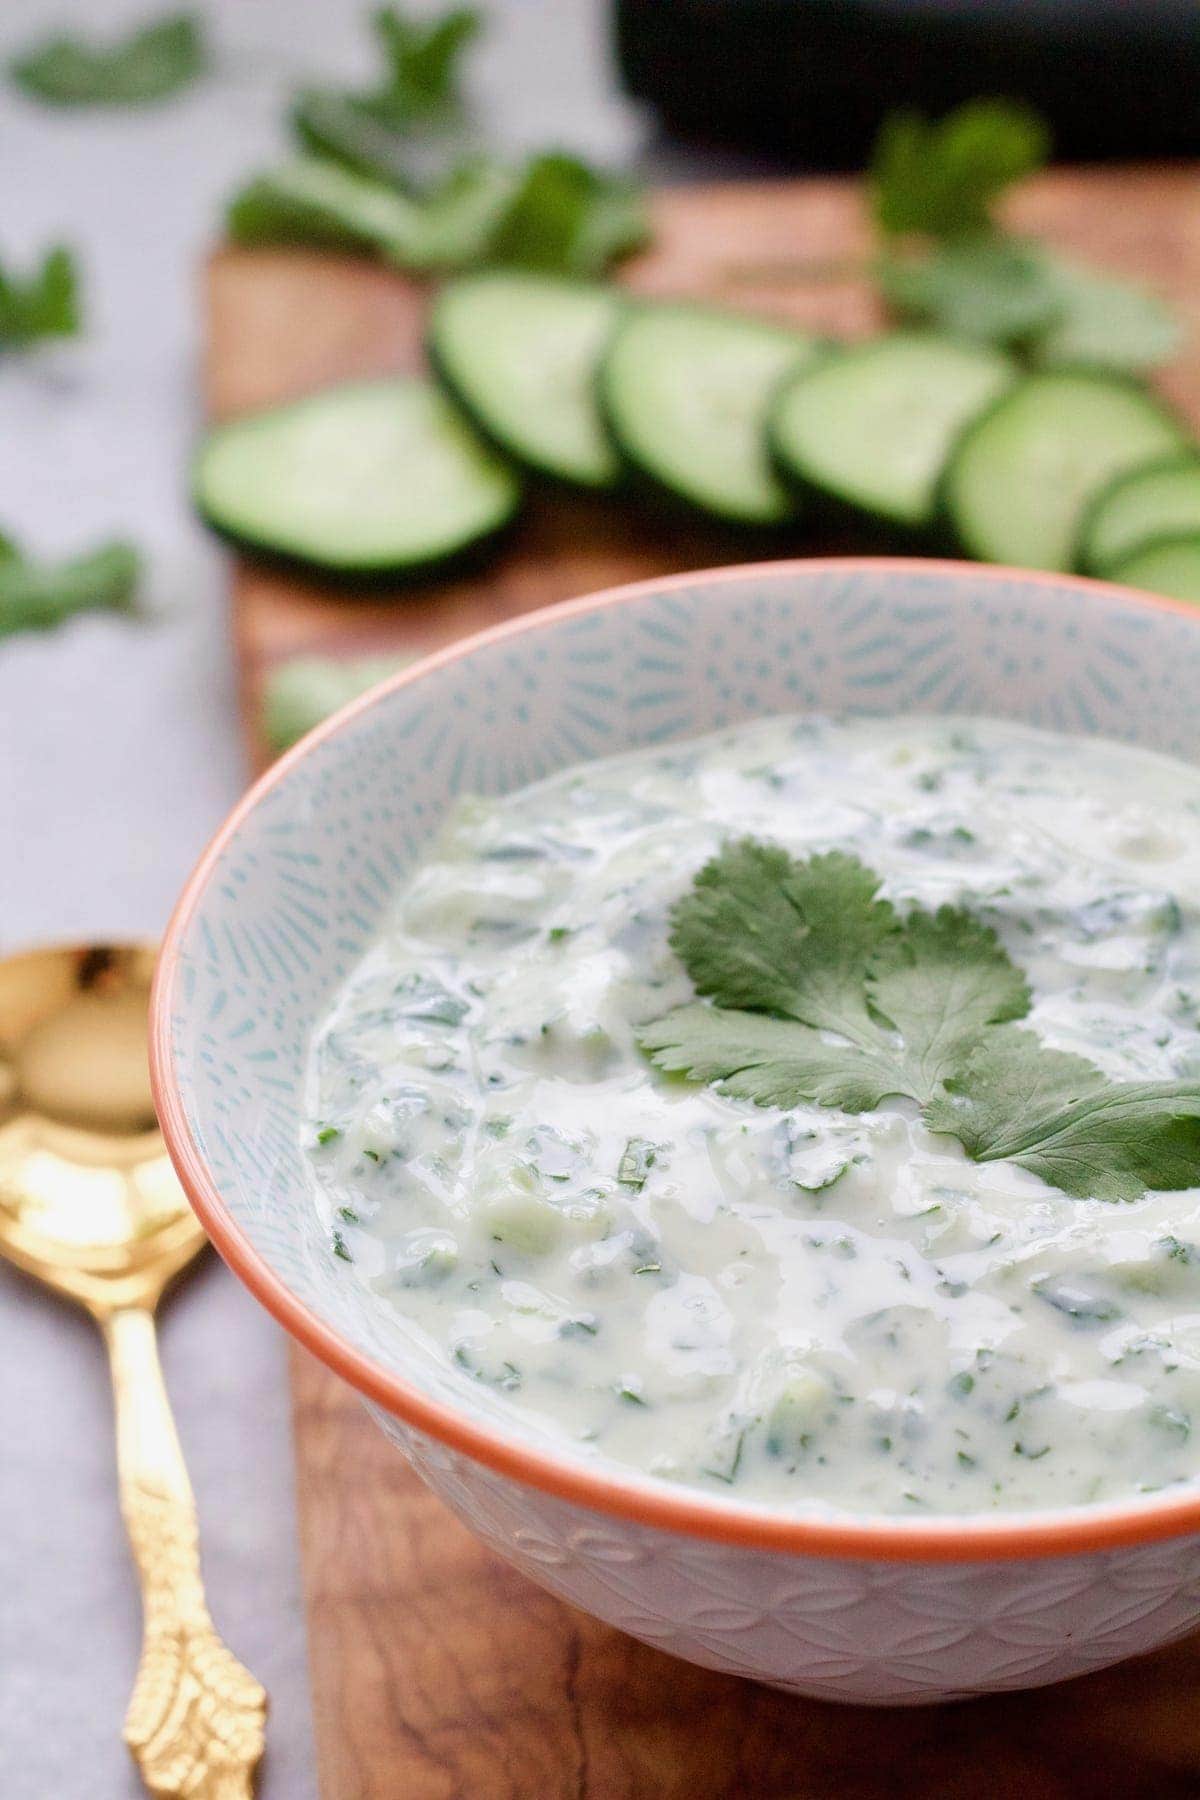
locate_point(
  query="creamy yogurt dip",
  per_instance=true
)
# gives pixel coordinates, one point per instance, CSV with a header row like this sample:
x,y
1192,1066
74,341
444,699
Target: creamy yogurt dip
x,y
805,1308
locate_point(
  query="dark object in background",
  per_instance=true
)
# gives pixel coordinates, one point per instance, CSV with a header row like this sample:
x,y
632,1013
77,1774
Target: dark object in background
x,y
812,79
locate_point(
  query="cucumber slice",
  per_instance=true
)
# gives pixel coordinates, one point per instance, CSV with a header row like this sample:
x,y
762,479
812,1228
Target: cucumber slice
x,y
871,427
1170,566
1160,499
520,353
1021,476
374,479
686,391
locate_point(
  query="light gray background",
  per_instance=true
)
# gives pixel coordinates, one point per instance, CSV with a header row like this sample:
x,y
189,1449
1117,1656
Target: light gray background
x,y
118,757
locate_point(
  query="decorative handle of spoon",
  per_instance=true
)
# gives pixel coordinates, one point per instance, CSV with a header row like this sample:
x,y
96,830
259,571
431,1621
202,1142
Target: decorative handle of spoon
x,y
196,1716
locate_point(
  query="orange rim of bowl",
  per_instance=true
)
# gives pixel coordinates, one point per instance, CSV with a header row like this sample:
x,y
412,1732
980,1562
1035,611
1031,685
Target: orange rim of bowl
x,y
638,1499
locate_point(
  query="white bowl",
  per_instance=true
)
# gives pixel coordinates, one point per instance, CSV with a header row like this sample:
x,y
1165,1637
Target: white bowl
x,y
289,895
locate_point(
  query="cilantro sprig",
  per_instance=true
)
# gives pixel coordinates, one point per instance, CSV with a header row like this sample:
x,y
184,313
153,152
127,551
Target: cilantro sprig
x,y
153,62
934,188
44,303
817,990
383,170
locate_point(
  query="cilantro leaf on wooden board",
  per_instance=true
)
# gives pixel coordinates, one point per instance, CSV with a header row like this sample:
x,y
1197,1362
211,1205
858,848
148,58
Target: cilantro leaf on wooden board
x,y
941,177
556,214
153,62
1103,320
991,289
42,304
566,217
817,990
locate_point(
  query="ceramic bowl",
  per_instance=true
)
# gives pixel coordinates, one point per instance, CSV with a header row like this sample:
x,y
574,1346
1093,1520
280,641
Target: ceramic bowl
x,y
290,894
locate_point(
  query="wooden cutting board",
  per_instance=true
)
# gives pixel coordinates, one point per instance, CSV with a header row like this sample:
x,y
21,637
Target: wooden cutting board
x,y
438,1672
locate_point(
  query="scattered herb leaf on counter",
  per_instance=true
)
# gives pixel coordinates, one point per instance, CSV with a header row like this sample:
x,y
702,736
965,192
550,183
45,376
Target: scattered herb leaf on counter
x,y
153,62
37,596
939,178
422,58
304,690
817,990
42,304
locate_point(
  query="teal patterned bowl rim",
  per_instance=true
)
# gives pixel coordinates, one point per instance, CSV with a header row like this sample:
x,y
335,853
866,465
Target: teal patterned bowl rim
x,y
1119,632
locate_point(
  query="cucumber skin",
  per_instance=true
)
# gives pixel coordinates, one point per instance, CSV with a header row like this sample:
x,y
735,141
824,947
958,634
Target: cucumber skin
x,y
953,538
667,503
1085,564
551,478
355,578
1162,541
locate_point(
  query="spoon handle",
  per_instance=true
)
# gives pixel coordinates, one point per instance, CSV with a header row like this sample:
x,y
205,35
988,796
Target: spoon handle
x,y
195,1719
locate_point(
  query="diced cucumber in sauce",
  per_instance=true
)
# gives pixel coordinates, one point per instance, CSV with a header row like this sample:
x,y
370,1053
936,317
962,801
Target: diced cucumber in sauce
x,y
374,479
871,427
686,391
520,352
1159,500
1021,477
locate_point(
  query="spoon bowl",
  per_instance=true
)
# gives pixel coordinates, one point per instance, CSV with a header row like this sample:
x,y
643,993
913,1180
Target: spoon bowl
x,y
89,1203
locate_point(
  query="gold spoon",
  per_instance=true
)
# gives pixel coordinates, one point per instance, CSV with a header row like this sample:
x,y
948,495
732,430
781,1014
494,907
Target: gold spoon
x,y
89,1204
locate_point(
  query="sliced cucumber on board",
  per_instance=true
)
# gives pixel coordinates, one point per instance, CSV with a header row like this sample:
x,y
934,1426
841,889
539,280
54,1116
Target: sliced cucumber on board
x,y
686,389
372,480
1021,477
520,353
1160,499
871,426
1171,566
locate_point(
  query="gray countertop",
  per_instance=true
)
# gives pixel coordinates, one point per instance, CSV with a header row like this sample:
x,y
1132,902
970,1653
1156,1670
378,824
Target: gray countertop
x,y
120,752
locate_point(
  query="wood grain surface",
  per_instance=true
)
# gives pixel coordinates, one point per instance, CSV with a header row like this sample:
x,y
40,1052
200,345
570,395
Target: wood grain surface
x,y
438,1672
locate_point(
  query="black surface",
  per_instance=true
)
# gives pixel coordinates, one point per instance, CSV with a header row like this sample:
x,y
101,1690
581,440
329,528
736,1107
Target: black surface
x,y
810,80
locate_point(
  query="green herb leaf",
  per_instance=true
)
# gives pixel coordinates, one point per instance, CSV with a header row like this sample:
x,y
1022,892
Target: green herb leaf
x,y
351,129
568,218
991,289
941,177
1058,1116
939,982
1102,319
818,991
556,215
422,58
36,597
774,1062
44,304
301,692
762,931
153,62
311,201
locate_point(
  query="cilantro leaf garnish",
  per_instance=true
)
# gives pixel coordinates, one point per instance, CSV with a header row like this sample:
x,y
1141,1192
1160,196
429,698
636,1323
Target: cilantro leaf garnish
x,y
941,177
42,304
816,990
151,63
1057,1115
